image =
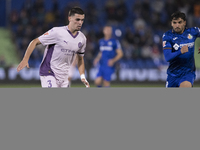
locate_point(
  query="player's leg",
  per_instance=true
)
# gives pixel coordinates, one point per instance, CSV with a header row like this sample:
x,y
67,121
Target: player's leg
x,y
106,83
108,72
48,82
185,84
98,81
187,80
171,82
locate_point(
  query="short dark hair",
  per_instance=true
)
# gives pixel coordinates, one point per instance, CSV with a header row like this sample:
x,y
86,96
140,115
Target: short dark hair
x,y
177,15
76,10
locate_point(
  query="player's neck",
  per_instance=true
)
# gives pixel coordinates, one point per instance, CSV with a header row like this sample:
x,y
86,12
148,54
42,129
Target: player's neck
x,y
107,37
73,32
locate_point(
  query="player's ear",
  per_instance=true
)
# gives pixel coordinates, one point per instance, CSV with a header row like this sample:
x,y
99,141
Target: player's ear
x,y
185,23
69,18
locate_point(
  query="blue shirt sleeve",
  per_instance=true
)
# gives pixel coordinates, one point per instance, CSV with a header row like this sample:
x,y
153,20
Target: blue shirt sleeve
x,y
196,31
167,49
169,55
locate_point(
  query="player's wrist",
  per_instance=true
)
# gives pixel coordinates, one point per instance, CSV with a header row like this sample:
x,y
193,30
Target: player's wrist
x,y
82,76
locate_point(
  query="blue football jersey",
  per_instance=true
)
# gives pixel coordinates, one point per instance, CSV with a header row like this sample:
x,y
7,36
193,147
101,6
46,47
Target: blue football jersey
x,y
108,49
172,43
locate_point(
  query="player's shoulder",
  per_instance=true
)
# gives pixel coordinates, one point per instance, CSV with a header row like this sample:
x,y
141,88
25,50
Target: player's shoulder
x,y
193,29
167,34
57,30
82,35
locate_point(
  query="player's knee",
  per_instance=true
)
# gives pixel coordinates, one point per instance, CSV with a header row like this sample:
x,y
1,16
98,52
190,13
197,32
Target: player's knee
x,y
97,81
185,84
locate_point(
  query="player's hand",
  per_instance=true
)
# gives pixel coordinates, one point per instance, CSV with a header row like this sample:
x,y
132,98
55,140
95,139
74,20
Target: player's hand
x,y
184,49
199,50
87,85
23,63
110,62
83,79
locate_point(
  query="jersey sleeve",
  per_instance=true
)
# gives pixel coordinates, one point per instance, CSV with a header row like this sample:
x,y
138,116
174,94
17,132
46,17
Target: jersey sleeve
x,y
118,45
166,42
50,37
167,49
81,51
196,31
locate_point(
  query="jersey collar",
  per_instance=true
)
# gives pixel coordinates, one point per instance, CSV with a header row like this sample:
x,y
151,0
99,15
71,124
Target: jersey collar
x,y
74,36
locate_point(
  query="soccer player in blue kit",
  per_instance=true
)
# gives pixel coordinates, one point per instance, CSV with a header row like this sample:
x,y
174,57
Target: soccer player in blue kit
x,y
178,49
110,52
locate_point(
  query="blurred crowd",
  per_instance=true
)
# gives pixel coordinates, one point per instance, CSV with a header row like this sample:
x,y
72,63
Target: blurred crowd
x,y
139,27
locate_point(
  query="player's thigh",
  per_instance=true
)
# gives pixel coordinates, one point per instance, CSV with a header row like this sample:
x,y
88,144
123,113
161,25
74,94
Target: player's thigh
x,y
172,82
187,80
107,74
185,84
48,82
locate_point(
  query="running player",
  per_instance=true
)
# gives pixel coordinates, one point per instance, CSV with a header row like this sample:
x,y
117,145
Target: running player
x,y
178,49
110,52
62,44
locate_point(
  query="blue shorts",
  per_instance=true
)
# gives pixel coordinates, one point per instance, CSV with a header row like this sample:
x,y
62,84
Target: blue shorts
x,y
105,73
176,81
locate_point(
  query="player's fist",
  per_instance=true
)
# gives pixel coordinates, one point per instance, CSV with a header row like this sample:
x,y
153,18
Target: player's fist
x,y
111,62
184,49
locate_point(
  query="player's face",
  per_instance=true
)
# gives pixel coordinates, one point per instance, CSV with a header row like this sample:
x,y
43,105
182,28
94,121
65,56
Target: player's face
x,y
178,25
76,21
107,31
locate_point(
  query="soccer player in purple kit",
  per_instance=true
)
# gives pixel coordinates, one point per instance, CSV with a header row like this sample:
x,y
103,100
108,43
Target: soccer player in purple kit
x,y
178,49
62,45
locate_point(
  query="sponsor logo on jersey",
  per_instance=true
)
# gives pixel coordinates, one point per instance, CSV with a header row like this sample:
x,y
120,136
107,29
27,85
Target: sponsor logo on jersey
x,y
190,45
176,46
175,38
65,42
68,52
105,48
189,36
164,43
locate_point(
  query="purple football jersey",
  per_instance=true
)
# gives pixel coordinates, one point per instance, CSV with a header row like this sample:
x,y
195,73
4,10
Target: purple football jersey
x,y
61,47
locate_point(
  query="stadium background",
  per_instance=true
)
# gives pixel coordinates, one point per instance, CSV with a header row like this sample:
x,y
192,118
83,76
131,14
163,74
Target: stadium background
x,y
138,24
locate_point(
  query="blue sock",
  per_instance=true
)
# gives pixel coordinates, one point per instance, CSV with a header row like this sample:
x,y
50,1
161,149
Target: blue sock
x,y
99,86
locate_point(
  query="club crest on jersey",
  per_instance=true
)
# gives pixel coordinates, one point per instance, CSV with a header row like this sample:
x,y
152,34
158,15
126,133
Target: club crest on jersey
x,y
110,43
189,36
164,43
80,44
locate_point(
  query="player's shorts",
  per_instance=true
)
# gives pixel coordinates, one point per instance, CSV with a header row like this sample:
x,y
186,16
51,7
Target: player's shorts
x,y
52,82
175,82
105,73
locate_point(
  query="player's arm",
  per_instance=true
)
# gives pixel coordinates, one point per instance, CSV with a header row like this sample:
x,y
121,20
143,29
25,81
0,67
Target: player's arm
x,y
169,55
29,50
119,55
81,68
97,59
